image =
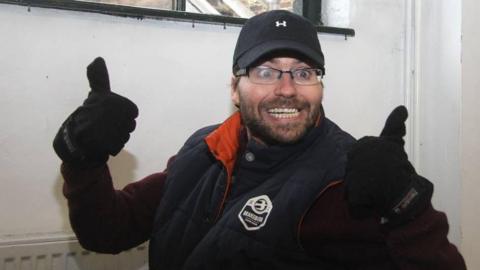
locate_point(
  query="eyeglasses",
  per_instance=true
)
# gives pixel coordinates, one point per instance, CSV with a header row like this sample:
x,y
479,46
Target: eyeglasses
x,y
268,75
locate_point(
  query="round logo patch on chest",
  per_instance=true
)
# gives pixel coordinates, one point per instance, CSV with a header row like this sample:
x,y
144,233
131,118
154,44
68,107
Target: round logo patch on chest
x,y
254,213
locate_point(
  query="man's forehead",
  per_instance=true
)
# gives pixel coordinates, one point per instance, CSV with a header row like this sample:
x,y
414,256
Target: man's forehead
x,y
282,55
283,60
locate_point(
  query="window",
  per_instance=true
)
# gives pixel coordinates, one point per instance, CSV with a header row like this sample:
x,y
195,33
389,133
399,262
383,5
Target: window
x,y
156,4
231,8
209,11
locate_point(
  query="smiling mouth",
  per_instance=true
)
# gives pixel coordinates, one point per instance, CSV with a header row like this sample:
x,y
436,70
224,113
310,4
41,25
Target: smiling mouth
x,y
283,113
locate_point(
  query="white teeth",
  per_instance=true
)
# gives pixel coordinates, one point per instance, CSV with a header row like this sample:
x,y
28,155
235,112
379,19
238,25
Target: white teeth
x,y
283,112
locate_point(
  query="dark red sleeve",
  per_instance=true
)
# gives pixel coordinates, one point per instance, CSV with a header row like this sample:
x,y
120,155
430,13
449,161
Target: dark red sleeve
x,y
328,232
107,220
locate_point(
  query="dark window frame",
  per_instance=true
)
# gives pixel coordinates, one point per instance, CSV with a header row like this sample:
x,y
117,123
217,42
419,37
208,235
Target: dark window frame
x,y
142,13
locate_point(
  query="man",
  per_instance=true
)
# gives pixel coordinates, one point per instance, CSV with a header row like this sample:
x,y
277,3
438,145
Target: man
x,y
269,188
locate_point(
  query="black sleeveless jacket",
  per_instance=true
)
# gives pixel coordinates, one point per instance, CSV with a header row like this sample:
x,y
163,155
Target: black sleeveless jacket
x,y
198,225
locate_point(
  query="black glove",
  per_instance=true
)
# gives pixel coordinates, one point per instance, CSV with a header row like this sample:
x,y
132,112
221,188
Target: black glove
x,y
98,128
380,181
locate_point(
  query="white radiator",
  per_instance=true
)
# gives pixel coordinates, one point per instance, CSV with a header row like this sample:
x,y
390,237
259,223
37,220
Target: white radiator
x,y
66,254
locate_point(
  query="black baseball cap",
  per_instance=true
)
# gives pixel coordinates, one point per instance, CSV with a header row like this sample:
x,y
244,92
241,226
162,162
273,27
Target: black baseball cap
x,y
273,31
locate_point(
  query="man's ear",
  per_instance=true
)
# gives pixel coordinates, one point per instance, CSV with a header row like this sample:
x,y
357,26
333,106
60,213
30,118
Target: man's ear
x,y
234,95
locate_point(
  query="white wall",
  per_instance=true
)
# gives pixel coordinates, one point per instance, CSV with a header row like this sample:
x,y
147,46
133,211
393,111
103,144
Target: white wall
x,y
448,116
42,79
177,75
438,93
470,133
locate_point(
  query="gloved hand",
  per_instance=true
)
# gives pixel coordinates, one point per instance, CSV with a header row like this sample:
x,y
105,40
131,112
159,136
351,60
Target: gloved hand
x,y
380,181
98,128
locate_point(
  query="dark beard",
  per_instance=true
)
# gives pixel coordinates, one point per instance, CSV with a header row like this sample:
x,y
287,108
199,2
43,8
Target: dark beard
x,y
271,135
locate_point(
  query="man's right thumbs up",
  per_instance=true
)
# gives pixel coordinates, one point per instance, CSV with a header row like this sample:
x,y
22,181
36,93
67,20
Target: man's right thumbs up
x,y
98,128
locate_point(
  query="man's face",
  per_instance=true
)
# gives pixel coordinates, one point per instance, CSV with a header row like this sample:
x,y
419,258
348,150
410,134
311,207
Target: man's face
x,y
278,113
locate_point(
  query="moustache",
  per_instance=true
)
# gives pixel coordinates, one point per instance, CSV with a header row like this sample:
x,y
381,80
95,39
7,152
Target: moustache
x,y
285,103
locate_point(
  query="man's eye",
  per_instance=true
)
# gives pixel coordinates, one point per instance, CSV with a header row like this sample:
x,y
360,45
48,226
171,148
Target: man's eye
x,y
303,74
264,73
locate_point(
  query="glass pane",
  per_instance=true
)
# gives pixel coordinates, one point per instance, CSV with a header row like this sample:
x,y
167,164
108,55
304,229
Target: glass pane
x,y
311,9
234,8
155,4
240,8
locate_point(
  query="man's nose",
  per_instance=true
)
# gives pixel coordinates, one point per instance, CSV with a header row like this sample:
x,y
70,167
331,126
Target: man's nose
x,y
286,86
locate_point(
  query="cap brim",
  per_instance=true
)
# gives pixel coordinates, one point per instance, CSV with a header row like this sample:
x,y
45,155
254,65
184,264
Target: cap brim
x,y
255,53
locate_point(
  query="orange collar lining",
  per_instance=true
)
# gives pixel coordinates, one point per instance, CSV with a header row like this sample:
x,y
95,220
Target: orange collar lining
x,y
223,142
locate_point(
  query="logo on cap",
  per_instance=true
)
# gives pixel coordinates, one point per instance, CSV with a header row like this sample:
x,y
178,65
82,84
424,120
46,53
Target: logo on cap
x,y
281,23
255,212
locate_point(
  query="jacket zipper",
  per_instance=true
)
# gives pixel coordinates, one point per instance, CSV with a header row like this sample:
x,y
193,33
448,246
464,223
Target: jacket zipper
x,y
332,184
225,195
